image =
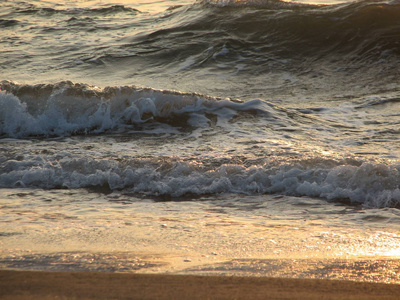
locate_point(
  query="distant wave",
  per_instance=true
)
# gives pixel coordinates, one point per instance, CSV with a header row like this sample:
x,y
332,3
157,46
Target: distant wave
x,y
228,38
46,11
364,28
8,23
267,36
270,4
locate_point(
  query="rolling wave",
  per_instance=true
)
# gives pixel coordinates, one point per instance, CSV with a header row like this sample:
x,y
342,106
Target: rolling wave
x,y
264,31
352,181
66,108
303,45
239,38
47,11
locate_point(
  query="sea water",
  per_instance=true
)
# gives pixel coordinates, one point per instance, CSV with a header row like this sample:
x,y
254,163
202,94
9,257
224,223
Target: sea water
x,y
229,137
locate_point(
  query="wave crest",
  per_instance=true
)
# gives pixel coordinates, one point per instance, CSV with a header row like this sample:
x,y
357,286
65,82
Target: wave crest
x,y
369,184
67,108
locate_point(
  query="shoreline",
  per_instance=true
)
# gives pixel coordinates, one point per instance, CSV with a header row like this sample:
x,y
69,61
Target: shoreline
x,y
101,285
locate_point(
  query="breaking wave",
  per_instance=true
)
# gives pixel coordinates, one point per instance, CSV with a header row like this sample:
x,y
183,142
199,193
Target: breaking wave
x,y
352,181
65,108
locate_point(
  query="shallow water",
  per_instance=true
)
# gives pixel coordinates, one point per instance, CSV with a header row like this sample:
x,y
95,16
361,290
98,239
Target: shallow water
x,y
230,235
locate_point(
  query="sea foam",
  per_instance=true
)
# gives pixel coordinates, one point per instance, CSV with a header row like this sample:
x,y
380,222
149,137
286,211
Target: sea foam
x,y
66,108
373,185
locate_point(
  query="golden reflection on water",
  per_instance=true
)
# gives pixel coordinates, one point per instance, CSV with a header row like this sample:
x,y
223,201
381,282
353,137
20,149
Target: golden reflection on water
x,y
199,237
150,6
155,6
377,245
386,245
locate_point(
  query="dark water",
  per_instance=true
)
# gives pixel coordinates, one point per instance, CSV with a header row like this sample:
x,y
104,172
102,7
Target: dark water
x,y
248,49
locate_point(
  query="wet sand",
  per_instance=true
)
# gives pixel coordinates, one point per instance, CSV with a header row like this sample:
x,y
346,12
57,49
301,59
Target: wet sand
x,y
188,250
97,285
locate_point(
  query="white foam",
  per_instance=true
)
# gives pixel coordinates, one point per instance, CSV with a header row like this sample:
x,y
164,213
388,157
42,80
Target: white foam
x,y
373,185
67,110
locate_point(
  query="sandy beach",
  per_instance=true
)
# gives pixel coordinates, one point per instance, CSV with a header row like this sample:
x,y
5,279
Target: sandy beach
x,y
93,285
188,250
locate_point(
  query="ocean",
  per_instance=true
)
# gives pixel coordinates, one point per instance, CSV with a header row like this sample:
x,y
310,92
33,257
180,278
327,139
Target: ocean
x,y
230,137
